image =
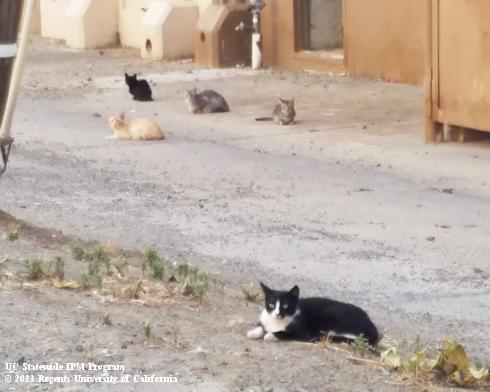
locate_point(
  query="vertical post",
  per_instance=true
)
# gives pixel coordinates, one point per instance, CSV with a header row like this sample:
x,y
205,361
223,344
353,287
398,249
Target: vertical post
x,y
10,13
434,130
256,9
17,69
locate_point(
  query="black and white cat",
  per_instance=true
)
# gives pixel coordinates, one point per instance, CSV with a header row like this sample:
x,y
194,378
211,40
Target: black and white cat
x,y
287,317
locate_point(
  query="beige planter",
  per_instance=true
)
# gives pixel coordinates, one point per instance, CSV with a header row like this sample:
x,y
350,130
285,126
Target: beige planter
x,y
168,30
36,18
91,23
54,23
131,13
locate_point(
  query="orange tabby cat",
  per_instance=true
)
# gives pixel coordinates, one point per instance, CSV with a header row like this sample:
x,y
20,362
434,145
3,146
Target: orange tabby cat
x,y
136,129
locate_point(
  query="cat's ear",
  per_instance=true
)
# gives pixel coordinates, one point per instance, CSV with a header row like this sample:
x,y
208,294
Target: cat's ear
x,y
265,289
294,292
121,115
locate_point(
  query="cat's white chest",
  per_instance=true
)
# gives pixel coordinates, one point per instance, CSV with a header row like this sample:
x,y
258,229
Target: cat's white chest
x,y
272,323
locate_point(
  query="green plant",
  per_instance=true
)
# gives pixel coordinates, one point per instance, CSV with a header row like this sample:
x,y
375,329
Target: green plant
x,y
156,264
106,319
120,267
77,252
36,270
193,282
452,363
90,281
250,294
13,235
361,345
147,329
97,255
59,267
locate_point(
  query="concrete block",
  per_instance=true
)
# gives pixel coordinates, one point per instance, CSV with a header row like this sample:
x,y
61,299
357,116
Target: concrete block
x,y
54,23
218,44
131,13
92,23
168,29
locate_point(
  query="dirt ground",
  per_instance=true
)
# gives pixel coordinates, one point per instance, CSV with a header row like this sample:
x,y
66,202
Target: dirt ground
x,y
348,203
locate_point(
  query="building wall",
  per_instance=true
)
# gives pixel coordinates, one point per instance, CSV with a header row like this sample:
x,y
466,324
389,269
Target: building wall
x,y
278,41
382,39
387,40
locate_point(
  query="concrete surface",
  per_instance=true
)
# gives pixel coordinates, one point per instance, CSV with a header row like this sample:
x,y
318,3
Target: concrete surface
x,y
348,203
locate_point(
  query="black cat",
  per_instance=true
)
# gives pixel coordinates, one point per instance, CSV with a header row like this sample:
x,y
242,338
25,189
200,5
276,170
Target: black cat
x,y
139,89
287,317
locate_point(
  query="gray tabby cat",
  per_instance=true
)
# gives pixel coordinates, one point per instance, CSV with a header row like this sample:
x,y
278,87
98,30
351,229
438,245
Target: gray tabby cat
x,y
283,113
208,101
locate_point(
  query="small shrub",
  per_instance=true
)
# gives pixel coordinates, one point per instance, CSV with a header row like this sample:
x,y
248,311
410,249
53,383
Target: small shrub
x,y
106,319
155,263
97,255
59,267
120,267
36,270
96,258
193,282
250,294
361,345
147,329
90,281
13,235
77,252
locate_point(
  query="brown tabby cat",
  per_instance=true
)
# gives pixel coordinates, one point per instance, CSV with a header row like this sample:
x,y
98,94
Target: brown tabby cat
x,y
283,113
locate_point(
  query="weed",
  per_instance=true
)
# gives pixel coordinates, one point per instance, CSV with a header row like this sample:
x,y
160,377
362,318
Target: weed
x,y
156,264
193,282
96,255
361,345
77,252
106,319
13,235
147,329
120,267
131,291
90,281
96,258
251,295
36,270
59,267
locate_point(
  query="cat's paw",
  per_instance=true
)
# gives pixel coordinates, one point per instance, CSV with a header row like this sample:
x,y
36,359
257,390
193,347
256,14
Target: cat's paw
x,y
255,333
270,337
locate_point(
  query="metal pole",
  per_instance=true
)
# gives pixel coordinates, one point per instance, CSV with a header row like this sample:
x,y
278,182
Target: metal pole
x,y
256,9
17,70
10,13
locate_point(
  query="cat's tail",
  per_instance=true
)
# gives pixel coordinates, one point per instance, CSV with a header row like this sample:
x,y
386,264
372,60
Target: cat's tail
x,y
264,119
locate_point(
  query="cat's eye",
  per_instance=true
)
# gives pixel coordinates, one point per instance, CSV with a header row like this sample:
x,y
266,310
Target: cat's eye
x,y
285,306
271,306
